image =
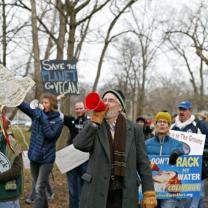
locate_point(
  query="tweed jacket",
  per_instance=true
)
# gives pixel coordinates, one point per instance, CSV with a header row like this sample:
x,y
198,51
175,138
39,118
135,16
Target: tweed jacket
x,y
94,139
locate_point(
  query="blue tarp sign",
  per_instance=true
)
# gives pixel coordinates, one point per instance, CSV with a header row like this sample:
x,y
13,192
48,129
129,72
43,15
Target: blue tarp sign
x,y
60,76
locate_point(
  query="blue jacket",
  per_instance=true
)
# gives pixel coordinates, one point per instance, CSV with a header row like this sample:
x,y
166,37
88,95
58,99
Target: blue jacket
x,y
46,128
166,147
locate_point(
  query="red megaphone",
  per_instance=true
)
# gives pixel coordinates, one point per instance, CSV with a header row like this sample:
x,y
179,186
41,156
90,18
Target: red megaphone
x,y
94,102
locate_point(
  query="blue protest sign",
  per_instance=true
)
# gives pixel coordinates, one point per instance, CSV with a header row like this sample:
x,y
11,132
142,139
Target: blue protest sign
x,y
182,180
60,76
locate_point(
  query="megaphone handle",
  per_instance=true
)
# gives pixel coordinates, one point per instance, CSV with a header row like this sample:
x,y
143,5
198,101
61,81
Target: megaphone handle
x,y
98,116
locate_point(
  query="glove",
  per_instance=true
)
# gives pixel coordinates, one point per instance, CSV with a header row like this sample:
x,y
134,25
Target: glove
x,y
149,200
173,157
97,117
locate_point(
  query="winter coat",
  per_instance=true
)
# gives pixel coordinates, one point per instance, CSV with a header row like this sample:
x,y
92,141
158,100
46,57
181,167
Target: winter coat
x,y
165,147
75,125
94,139
46,128
11,177
198,127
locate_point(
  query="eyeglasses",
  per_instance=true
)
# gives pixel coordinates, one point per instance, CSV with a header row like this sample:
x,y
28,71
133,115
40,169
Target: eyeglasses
x,y
162,122
110,100
79,109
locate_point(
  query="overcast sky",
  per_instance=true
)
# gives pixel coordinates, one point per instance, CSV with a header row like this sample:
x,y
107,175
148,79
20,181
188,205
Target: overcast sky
x,y
89,59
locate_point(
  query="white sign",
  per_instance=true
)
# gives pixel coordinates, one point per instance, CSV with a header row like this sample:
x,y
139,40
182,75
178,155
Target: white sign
x,y
4,163
195,142
26,160
12,89
69,158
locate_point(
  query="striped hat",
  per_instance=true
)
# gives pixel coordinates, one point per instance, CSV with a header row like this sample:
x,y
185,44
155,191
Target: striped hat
x,y
119,95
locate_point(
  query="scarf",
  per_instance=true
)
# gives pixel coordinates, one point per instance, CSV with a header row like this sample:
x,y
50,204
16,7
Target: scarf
x,y
118,147
182,125
3,127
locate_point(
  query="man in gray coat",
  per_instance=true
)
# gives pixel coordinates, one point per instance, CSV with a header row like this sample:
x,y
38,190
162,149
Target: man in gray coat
x,y
117,154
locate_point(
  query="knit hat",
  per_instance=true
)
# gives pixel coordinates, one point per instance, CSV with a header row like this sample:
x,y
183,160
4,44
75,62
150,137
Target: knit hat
x,y
119,95
140,118
163,115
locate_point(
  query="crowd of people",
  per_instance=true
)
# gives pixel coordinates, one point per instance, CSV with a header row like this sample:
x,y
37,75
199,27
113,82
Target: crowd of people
x,y
118,148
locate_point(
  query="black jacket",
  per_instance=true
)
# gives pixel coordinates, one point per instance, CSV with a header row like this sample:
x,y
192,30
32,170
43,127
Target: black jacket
x,y
75,125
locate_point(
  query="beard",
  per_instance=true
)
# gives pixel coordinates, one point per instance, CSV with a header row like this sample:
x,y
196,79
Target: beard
x,y
111,114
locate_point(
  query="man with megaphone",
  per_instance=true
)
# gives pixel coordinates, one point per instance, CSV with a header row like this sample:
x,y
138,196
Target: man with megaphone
x,y
117,153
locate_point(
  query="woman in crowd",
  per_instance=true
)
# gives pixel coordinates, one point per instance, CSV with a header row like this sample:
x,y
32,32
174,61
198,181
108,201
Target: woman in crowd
x,y
46,128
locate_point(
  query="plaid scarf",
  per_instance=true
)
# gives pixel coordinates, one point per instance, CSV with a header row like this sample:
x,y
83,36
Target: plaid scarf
x,y
118,147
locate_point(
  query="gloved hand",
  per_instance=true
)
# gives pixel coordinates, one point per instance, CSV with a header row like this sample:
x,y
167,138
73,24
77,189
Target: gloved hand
x,y
173,157
97,117
149,200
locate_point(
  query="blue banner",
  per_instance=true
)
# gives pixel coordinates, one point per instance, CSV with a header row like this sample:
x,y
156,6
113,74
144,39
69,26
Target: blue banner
x,y
182,180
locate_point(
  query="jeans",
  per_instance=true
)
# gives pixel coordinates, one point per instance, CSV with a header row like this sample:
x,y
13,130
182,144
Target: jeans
x,y
10,204
206,193
74,184
203,202
197,202
49,190
40,173
168,203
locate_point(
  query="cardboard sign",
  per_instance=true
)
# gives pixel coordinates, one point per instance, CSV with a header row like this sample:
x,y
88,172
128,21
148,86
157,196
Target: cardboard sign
x,y
13,89
193,142
60,76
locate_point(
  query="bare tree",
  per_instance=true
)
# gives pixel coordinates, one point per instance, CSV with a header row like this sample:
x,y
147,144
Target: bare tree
x,y
138,52
189,41
4,28
36,49
108,38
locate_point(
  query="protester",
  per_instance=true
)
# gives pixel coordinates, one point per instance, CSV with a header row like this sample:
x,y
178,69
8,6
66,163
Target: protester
x,y
163,144
11,169
185,121
117,152
75,125
204,115
147,130
46,128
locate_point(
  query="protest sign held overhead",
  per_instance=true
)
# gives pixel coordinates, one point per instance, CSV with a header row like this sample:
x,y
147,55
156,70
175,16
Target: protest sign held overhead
x,y
13,89
60,76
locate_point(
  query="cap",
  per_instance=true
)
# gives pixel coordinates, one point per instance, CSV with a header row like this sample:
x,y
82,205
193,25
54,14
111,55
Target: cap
x,y
185,105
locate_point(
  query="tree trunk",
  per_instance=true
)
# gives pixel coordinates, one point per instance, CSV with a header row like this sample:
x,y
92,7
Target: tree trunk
x,y
39,86
4,28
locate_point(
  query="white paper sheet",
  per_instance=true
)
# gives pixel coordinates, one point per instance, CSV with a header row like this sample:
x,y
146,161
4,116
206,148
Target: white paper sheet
x,y
69,158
